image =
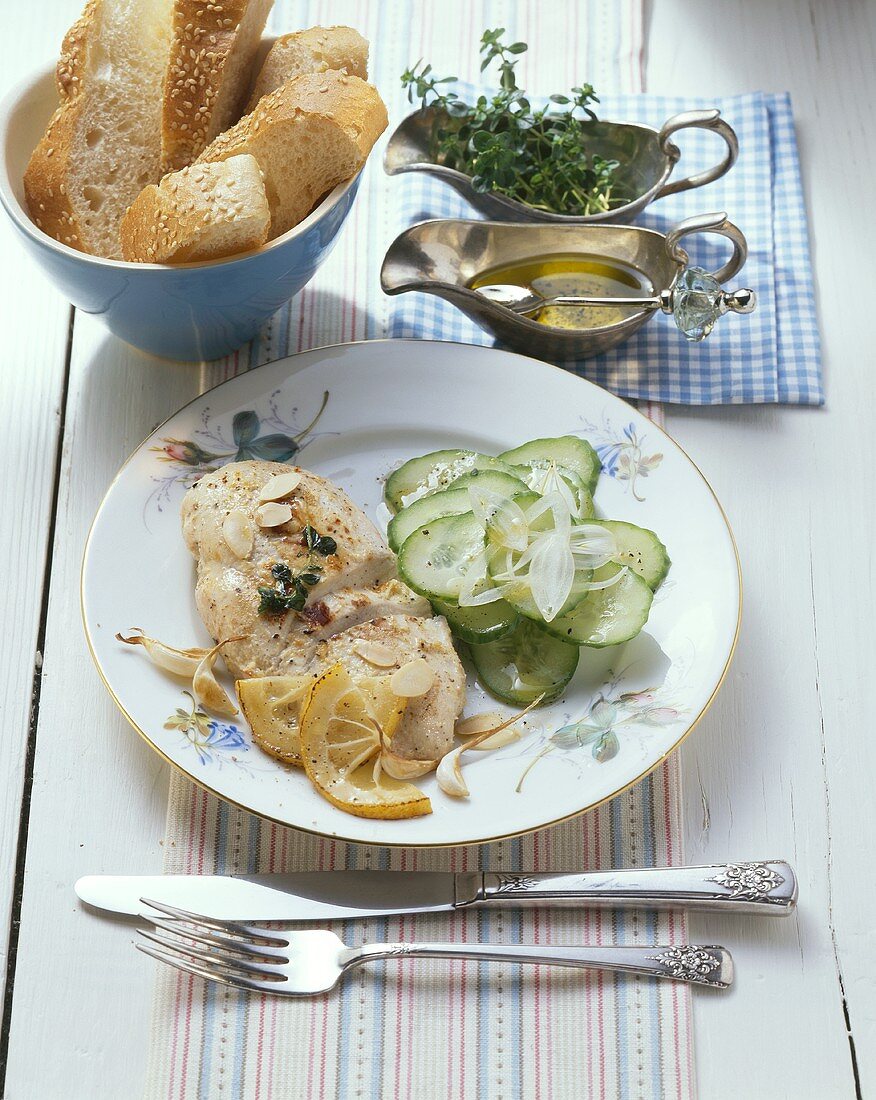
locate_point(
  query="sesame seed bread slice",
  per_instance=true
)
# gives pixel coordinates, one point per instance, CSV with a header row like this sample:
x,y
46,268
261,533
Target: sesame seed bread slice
x,y
203,212
213,48
312,51
103,144
308,136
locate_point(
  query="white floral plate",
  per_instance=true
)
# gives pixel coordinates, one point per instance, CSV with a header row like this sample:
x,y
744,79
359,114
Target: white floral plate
x,y
625,709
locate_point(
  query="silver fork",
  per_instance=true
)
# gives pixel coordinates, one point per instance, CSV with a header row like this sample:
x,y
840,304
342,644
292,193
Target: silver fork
x,y
297,964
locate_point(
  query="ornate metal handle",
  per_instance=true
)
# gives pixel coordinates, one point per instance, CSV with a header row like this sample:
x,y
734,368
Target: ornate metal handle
x,y
765,888
685,963
717,223
696,298
701,120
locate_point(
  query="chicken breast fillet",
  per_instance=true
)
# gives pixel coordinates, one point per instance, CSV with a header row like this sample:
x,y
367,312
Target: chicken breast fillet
x,y
357,595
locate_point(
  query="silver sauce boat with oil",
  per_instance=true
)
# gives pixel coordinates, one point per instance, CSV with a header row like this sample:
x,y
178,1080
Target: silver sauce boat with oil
x,y
445,257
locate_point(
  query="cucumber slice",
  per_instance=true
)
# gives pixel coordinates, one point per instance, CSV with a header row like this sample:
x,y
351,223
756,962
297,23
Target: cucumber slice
x,y
478,624
434,558
433,472
608,616
640,549
533,474
452,502
496,481
569,451
524,664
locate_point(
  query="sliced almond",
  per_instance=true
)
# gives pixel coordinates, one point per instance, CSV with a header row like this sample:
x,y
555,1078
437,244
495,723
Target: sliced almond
x,y
273,515
479,723
280,486
238,533
413,679
375,653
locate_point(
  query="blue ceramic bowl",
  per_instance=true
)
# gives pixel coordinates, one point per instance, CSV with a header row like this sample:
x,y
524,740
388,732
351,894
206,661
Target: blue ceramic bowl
x,y
188,311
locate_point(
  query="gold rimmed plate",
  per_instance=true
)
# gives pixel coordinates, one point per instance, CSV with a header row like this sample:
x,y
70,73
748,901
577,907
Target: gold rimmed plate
x,y
352,413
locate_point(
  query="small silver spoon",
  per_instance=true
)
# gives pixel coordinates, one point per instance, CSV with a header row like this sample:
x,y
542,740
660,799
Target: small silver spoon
x,y
525,299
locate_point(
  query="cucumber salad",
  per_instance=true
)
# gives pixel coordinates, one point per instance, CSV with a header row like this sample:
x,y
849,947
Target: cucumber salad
x,y
510,550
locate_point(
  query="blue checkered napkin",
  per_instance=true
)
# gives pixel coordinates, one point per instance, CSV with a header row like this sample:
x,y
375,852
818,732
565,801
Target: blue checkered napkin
x,y
771,355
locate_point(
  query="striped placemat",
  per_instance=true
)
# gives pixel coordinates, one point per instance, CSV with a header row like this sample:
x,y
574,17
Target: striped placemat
x,y
433,1029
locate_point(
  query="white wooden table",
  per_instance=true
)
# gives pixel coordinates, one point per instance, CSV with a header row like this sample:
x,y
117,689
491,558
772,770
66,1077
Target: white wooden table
x,y
782,766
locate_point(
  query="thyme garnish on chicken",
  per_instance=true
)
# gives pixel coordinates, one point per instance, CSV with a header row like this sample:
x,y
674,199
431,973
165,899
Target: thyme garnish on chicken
x,y
291,589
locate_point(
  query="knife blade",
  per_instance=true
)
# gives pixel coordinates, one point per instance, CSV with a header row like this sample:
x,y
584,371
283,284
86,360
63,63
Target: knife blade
x,y
755,888
306,896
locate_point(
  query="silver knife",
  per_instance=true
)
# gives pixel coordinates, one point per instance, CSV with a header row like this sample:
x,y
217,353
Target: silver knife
x,y
763,887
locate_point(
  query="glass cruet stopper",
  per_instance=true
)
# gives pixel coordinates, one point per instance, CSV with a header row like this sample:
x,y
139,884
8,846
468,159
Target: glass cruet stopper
x,y
696,301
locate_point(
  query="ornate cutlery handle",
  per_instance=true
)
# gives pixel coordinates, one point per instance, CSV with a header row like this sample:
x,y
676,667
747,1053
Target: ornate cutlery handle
x,y
769,888
685,963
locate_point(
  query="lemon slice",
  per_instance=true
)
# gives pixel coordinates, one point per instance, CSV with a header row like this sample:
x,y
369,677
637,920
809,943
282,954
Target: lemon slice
x,y
384,706
340,746
272,706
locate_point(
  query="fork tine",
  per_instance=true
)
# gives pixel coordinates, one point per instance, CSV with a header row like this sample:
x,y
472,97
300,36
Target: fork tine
x,y
187,967
213,939
266,971
230,927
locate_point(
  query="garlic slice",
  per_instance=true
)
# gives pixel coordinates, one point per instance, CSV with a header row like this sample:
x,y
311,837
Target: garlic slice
x,y
449,774
238,533
280,486
209,693
375,653
181,662
491,722
413,679
497,740
395,766
273,515
449,771
400,767
479,723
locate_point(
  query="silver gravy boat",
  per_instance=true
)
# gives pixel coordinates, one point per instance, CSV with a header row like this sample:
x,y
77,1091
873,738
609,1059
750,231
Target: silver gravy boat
x,y
646,158
444,257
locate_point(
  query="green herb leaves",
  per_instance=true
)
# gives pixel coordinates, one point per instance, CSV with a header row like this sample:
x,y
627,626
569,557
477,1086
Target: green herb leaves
x,y
537,157
290,593
291,590
323,545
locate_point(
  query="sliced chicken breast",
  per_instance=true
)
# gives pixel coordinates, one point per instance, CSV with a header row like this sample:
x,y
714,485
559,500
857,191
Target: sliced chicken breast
x,y
356,594
228,581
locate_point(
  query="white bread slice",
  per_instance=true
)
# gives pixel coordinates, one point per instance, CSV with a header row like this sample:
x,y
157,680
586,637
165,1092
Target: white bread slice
x,y
103,144
203,212
213,47
308,136
311,51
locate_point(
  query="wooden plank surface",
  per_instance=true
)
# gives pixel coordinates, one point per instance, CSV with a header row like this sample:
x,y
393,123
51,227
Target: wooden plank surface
x,y
99,793
778,768
36,324
783,762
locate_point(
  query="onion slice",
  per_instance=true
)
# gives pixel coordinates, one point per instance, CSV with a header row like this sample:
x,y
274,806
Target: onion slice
x,y
551,574
595,586
501,518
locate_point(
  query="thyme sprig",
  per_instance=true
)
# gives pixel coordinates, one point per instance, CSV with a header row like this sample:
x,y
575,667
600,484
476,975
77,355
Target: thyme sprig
x,y
536,156
292,589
